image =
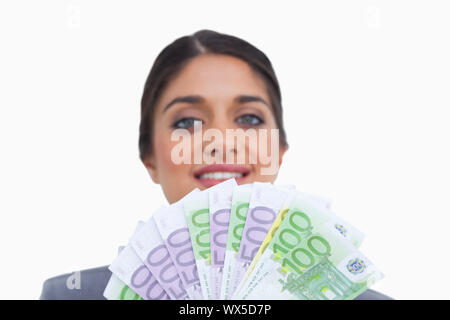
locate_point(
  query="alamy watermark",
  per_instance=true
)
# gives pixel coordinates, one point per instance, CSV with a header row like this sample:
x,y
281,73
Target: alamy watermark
x,y
74,281
260,146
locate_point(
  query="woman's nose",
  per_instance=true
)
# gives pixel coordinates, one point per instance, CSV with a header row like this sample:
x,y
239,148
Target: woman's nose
x,y
222,150
225,146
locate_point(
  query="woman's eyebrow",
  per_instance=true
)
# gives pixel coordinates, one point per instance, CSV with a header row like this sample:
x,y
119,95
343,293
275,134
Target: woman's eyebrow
x,y
198,99
247,98
186,99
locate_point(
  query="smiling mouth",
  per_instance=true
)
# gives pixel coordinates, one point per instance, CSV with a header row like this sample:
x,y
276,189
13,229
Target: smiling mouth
x,y
216,173
221,175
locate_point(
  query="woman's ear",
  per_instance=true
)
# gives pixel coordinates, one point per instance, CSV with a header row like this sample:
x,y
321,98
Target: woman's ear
x,y
149,164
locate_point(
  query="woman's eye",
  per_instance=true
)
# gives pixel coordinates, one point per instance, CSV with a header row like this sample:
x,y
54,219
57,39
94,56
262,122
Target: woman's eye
x,y
250,120
185,123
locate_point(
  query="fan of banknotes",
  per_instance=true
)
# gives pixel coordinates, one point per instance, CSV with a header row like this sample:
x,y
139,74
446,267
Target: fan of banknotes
x,y
252,241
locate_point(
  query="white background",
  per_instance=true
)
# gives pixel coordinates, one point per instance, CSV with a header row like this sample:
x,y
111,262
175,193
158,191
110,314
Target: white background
x,y
365,88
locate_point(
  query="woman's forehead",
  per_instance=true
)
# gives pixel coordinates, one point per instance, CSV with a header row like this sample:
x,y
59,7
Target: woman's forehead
x,y
215,77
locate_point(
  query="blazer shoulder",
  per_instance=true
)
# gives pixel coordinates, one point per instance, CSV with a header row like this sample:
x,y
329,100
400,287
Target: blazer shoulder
x,y
370,294
89,284
86,284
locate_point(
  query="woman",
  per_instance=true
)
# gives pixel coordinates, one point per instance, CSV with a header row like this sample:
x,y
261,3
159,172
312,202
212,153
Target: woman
x,y
205,81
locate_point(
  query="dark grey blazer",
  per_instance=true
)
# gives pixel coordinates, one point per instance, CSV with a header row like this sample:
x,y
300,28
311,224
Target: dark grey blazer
x,y
92,283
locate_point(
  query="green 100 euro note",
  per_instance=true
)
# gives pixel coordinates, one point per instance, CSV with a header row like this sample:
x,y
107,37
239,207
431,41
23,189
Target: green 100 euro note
x,y
295,222
310,258
196,210
238,216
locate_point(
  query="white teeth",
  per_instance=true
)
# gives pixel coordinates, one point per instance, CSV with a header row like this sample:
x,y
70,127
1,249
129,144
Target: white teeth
x,y
221,175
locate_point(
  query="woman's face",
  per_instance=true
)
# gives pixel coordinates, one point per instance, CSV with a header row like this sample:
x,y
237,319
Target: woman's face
x,y
212,89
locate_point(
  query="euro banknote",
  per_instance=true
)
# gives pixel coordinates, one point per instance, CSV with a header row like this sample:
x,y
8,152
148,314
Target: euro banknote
x,y
309,258
130,279
253,241
150,247
238,215
174,231
196,210
342,274
220,209
266,202
130,269
116,289
301,216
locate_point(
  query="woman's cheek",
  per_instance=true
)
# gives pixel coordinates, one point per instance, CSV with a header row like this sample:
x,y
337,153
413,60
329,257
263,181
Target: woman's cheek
x,y
268,157
172,168
165,148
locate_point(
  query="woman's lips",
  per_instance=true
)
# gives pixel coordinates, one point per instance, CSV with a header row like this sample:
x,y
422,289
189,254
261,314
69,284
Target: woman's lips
x,y
213,174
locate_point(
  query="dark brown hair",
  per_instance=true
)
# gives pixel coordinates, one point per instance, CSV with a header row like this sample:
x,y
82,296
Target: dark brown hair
x,y
176,55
